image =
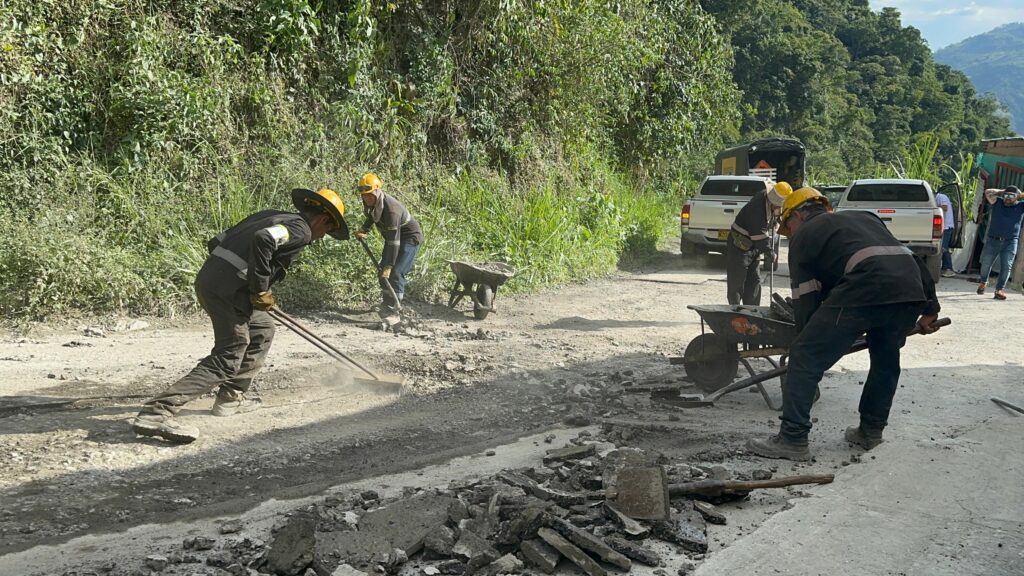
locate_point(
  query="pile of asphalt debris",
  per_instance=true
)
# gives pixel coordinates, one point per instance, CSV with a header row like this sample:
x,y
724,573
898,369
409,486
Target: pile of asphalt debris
x,y
597,509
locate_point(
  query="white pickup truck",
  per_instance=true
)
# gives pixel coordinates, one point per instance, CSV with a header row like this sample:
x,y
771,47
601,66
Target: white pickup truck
x,y
707,217
909,211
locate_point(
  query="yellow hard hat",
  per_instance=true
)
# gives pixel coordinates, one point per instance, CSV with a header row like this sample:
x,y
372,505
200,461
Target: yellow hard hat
x,y
797,199
329,202
778,194
369,183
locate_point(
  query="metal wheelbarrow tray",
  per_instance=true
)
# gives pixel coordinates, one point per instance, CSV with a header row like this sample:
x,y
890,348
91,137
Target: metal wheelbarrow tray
x,y
480,282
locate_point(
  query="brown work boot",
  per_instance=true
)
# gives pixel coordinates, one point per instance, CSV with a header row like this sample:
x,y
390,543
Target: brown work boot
x,y
1000,295
775,446
981,288
165,427
866,439
239,405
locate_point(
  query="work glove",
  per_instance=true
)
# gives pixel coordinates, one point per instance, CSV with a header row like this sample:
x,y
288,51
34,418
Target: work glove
x,y
361,234
924,323
385,272
262,301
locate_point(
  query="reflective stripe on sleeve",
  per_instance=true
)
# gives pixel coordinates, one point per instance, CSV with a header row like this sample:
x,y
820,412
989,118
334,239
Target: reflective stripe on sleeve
x,y
741,230
280,234
872,251
805,288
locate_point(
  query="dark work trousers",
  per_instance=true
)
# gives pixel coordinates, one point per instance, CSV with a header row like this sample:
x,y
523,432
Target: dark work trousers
x,y
742,277
403,265
241,340
825,339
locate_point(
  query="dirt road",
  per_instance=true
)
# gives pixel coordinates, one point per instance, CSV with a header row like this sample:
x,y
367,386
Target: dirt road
x,y
72,467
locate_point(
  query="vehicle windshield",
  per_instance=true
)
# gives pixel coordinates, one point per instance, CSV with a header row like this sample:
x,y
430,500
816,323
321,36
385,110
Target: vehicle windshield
x,y
888,193
740,188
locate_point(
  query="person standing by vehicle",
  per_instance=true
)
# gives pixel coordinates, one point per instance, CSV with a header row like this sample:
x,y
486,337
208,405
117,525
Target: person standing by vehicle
x,y
948,225
402,238
1002,236
748,239
850,277
234,288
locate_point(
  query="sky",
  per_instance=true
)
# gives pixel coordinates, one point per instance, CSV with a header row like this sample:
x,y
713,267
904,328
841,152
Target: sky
x,y
945,22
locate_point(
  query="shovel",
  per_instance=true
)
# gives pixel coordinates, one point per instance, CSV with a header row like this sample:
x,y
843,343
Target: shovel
x,y
701,401
388,382
376,264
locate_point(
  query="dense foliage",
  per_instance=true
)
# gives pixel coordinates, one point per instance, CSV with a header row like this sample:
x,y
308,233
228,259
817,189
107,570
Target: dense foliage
x,y
541,133
994,61
856,86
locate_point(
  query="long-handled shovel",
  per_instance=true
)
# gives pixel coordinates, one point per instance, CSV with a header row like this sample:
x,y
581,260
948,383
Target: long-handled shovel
x,y
376,264
700,401
389,382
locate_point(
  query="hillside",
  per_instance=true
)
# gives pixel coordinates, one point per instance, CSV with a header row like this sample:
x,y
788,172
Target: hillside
x,y
994,61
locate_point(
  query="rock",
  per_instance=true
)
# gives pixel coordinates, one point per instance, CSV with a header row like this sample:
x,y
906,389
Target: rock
x,y
223,559
523,527
629,526
156,563
507,564
346,570
540,554
574,554
761,475
137,325
569,453
686,528
292,549
402,525
577,420
633,551
590,543
458,511
561,497
687,567
198,543
93,332
439,544
430,571
476,551
369,495
236,569
642,493
231,527
709,512
452,567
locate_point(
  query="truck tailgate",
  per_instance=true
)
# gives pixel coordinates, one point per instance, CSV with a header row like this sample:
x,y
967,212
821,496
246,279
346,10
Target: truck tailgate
x,y
712,214
906,224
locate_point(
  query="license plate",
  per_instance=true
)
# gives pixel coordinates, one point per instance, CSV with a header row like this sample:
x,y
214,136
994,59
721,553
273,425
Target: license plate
x,y
723,234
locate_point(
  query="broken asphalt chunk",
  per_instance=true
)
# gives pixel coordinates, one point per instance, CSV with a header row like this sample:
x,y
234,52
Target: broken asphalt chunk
x,y
686,528
590,543
633,551
476,551
709,512
569,453
631,527
292,548
570,551
540,554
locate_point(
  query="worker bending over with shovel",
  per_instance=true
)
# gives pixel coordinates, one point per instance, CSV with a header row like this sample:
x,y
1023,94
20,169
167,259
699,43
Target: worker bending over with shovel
x,y
402,239
850,277
751,236
234,288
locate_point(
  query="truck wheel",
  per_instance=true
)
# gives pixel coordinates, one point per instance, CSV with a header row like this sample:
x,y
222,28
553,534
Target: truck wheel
x,y
687,248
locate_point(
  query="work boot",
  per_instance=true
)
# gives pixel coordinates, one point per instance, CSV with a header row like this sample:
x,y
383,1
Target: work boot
x,y
775,446
239,405
866,439
981,288
165,427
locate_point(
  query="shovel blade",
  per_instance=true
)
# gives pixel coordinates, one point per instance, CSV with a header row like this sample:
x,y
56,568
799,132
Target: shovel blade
x,y
383,383
683,400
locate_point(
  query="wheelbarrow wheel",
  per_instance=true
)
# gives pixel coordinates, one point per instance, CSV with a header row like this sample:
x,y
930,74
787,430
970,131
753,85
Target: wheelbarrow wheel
x,y
484,301
711,361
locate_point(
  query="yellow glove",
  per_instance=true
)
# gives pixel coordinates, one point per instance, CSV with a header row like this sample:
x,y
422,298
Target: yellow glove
x,y
385,272
361,234
262,301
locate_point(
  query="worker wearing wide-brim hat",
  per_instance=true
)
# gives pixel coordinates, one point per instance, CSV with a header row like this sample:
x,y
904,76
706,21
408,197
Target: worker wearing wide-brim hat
x,y
851,278
749,238
402,238
234,288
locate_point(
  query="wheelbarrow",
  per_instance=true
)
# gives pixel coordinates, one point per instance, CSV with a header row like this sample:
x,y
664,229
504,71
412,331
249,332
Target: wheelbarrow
x,y
480,282
739,333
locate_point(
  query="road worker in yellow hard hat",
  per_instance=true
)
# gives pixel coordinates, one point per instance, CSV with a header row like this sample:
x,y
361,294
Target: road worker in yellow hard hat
x,y
402,238
750,238
234,287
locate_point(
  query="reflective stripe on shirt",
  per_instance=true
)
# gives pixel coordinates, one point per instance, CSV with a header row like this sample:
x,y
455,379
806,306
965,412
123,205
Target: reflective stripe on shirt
x,y
805,288
233,259
741,230
872,251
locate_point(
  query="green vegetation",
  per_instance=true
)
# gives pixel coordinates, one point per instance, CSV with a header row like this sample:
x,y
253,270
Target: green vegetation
x,y
856,86
549,134
994,61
